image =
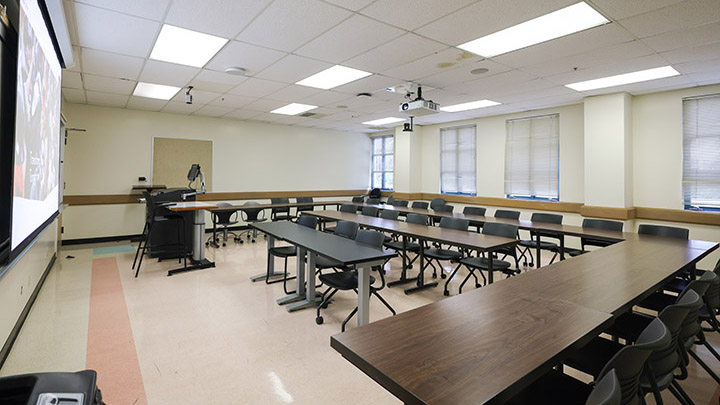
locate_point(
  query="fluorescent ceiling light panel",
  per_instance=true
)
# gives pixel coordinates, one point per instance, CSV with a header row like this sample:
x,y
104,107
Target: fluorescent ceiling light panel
x,y
627,78
158,91
469,106
384,121
293,109
185,47
333,77
568,20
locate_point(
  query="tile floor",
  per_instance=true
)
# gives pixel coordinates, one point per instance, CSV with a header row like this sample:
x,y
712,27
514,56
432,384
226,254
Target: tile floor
x,y
208,337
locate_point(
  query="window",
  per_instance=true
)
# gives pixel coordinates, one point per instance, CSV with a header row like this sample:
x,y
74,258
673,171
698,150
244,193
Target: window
x,y
457,160
532,158
382,162
701,153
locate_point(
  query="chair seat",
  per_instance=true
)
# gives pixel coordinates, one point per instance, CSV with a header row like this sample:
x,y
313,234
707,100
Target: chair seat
x,y
483,263
630,325
553,388
398,245
325,263
592,358
533,244
657,301
442,254
283,251
283,217
575,252
344,280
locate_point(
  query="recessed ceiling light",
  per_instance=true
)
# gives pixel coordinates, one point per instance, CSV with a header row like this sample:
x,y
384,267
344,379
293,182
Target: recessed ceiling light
x,y
479,71
469,106
384,121
185,47
627,78
235,70
333,77
568,20
158,91
293,109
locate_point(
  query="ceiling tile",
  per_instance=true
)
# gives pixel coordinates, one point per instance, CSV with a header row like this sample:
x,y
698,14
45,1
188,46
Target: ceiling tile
x,y
432,64
264,105
73,95
219,82
144,103
353,5
462,74
106,99
293,93
232,101
325,98
609,69
712,65
110,64
352,37
153,10
697,53
489,83
199,96
399,51
486,17
695,36
254,87
241,114
370,84
288,24
293,68
109,84
170,74
224,18
114,32
617,10
213,111
177,107
412,14
71,80
678,16
249,57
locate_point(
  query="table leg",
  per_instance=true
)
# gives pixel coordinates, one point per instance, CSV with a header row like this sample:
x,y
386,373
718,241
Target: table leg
x,y
537,250
311,300
199,261
490,268
403,275
270,273
364,295
299,280
562,247
421,275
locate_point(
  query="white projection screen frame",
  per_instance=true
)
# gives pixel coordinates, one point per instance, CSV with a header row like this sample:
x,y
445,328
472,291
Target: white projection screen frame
x,y
37,126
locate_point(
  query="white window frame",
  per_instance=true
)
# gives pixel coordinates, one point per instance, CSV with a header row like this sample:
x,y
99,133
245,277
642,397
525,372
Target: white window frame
x,y
385,170
701,153
456,173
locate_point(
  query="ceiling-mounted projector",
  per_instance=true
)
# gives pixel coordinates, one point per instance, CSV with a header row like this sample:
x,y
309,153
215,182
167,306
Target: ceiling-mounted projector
x,y
419,106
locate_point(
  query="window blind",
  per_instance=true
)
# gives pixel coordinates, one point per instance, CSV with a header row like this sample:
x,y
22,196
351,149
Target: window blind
x,y
457,160
383,162
532,157
701,151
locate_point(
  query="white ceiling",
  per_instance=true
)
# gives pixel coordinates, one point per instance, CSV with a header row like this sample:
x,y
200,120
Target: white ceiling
x,y
279,42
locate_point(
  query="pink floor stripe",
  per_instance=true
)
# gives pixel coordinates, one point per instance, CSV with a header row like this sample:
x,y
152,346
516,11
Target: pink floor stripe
x,y
111,348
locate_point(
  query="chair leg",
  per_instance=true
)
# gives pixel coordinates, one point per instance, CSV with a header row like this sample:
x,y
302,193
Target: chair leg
x,y
471,273
704,366
711,349
142,253
684,397
285,279
142,237
384,302
354,311
324,303
446,292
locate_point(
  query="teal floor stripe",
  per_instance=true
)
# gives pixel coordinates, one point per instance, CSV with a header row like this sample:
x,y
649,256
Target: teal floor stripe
x,y
113,249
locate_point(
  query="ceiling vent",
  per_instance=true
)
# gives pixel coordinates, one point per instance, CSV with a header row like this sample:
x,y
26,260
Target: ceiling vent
x,y
311,115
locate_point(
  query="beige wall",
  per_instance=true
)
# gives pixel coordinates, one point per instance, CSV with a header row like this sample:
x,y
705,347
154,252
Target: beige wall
x,y
117,149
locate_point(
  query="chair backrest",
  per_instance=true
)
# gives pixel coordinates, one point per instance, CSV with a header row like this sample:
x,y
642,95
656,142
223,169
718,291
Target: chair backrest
x,y
629,361
665,231
712,295
152,208
348,208
498,229
359,199
436,203
224,217
400,203
454,223
419,219
509,214
663,362
389,214
474,211
607,391
251,214
423,205
602,224
375,193
303,200
346,229
691,327
372,200
371,238
444,208
390,199
547,218
370,211
280,200
308,220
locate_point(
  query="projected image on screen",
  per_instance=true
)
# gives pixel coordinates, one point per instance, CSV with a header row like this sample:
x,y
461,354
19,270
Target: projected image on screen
x,y
37,131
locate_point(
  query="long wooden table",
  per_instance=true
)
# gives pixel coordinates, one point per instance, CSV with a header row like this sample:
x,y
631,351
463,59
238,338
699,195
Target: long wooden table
x,y
487,344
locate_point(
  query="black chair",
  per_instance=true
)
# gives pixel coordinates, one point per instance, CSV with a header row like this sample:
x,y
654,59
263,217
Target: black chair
x,y
664,231
437,202
607,391
483,263
280,213
348,208
390,199
345,229
301,208
444,208
358,199
369,211
420,205
373,201
629,362
438,254
288,251
411,245
375,193
224,219
480,211
509,214
390,214
348,280
558,388
400,203
159,213
251,216
526,246
592,223
708,313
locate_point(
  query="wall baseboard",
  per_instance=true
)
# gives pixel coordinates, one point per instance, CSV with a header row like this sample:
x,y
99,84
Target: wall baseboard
x,y
5,351
104,239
